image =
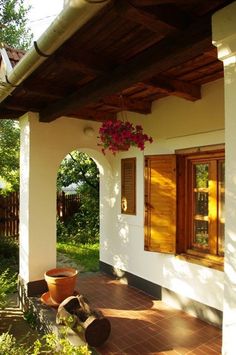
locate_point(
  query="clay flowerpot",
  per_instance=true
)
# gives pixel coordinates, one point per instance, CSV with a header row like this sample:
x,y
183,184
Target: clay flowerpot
x,y
61,283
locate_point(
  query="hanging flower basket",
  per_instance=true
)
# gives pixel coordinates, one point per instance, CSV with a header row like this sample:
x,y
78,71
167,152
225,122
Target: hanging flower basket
x,y
117,136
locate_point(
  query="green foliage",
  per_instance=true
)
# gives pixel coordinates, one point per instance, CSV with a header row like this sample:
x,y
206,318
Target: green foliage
x,y
49,344
9,153
80,169
83,227
7,286
13,24
8,267
9,345
9,249
9,255
86,255
30,318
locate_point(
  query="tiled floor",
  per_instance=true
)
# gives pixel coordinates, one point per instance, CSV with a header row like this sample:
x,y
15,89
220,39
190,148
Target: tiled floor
x,y
143,325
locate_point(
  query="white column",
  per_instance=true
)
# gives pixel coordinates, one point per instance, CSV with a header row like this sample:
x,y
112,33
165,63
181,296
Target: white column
x,y
37,202
224,38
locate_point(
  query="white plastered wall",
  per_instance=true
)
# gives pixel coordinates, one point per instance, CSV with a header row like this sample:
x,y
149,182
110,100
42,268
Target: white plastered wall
x,y
224,37
43,146
174,124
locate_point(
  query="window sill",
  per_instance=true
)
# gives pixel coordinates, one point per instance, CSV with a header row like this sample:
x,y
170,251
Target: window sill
x,y
211,261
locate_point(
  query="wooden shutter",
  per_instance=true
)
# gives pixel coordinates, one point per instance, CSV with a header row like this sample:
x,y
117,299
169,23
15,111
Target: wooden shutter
x,y
128,186
160,203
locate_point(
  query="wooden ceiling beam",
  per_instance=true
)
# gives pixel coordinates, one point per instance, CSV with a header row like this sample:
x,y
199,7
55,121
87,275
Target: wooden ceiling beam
x,y
176,87
10,114
166,54
18,107
40,93
144,3
85,62
153,22
93,115
122,103
39,89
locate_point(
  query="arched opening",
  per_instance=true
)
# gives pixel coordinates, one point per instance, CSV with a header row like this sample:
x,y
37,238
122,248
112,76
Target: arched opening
x,y
78,212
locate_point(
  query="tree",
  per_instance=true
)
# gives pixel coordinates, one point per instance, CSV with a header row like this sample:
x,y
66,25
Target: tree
x,y
13,24
79,169
9,153
14,32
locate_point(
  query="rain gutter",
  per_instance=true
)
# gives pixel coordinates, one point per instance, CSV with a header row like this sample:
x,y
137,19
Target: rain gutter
x,y
71,19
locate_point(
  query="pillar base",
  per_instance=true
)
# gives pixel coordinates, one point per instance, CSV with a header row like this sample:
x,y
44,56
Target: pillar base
x,y
32,288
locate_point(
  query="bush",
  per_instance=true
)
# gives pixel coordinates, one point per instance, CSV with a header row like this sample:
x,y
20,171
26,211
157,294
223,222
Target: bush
x,y
8,269
8,282
9,254
9,346
49,344
83,227
9,248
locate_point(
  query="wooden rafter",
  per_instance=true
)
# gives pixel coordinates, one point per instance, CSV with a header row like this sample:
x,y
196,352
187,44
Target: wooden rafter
x,y
85,62
176,87
155,60
93,115
19,107
160,2
151,21
121,103
49,94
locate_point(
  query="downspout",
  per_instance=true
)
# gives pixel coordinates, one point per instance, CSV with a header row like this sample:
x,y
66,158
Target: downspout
x,y
72,17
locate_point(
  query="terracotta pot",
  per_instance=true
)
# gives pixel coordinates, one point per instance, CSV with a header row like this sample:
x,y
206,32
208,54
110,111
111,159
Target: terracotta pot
x,y
61,283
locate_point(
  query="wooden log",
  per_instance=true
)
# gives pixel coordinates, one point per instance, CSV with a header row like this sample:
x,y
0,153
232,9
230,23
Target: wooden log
x,y
88,322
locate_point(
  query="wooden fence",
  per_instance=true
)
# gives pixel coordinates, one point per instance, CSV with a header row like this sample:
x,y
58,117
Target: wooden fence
x,y
9,215
67,205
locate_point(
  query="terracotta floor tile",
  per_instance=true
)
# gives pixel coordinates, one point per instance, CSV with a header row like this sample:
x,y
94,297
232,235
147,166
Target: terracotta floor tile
x,y
142,325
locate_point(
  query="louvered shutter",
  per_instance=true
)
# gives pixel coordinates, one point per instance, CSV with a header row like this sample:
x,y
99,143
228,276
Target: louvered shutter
x,y
160,203
128,186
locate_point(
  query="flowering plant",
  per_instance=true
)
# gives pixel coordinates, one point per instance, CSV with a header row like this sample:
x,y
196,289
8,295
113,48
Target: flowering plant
x,y
120,135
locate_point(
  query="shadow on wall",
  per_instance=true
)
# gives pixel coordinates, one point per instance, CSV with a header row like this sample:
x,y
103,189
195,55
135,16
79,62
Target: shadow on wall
x,y
194,308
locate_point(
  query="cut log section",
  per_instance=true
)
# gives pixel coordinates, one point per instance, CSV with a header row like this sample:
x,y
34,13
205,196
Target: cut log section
x,y
75,312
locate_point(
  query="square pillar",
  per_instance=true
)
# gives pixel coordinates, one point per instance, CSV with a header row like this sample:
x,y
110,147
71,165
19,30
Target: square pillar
x,y
224,38
37,205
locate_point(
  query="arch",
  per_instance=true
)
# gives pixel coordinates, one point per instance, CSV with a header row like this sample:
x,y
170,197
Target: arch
x,y
43,147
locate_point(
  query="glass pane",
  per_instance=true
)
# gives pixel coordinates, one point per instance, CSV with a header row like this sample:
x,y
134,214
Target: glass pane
x,y
221,208
201,233
201,209
201,203
201,175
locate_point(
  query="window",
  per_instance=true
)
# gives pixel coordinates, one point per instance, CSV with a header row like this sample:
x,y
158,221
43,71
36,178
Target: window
x,y
184,205
205,204
128,186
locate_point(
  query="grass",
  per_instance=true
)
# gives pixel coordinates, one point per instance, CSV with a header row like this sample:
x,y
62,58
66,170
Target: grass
x,y
86,255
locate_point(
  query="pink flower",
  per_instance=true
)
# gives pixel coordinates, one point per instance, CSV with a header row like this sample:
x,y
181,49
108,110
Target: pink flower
x,y
119,135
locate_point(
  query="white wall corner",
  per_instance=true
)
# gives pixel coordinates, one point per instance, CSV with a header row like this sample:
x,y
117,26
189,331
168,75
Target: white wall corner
x,y
223,32
224,38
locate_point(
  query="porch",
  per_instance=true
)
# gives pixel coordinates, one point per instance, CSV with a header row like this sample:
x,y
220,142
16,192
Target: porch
x,y
159,62
141,324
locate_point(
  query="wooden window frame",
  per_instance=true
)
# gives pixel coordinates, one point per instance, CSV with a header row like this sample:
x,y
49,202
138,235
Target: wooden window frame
x,y
185,161
130,210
